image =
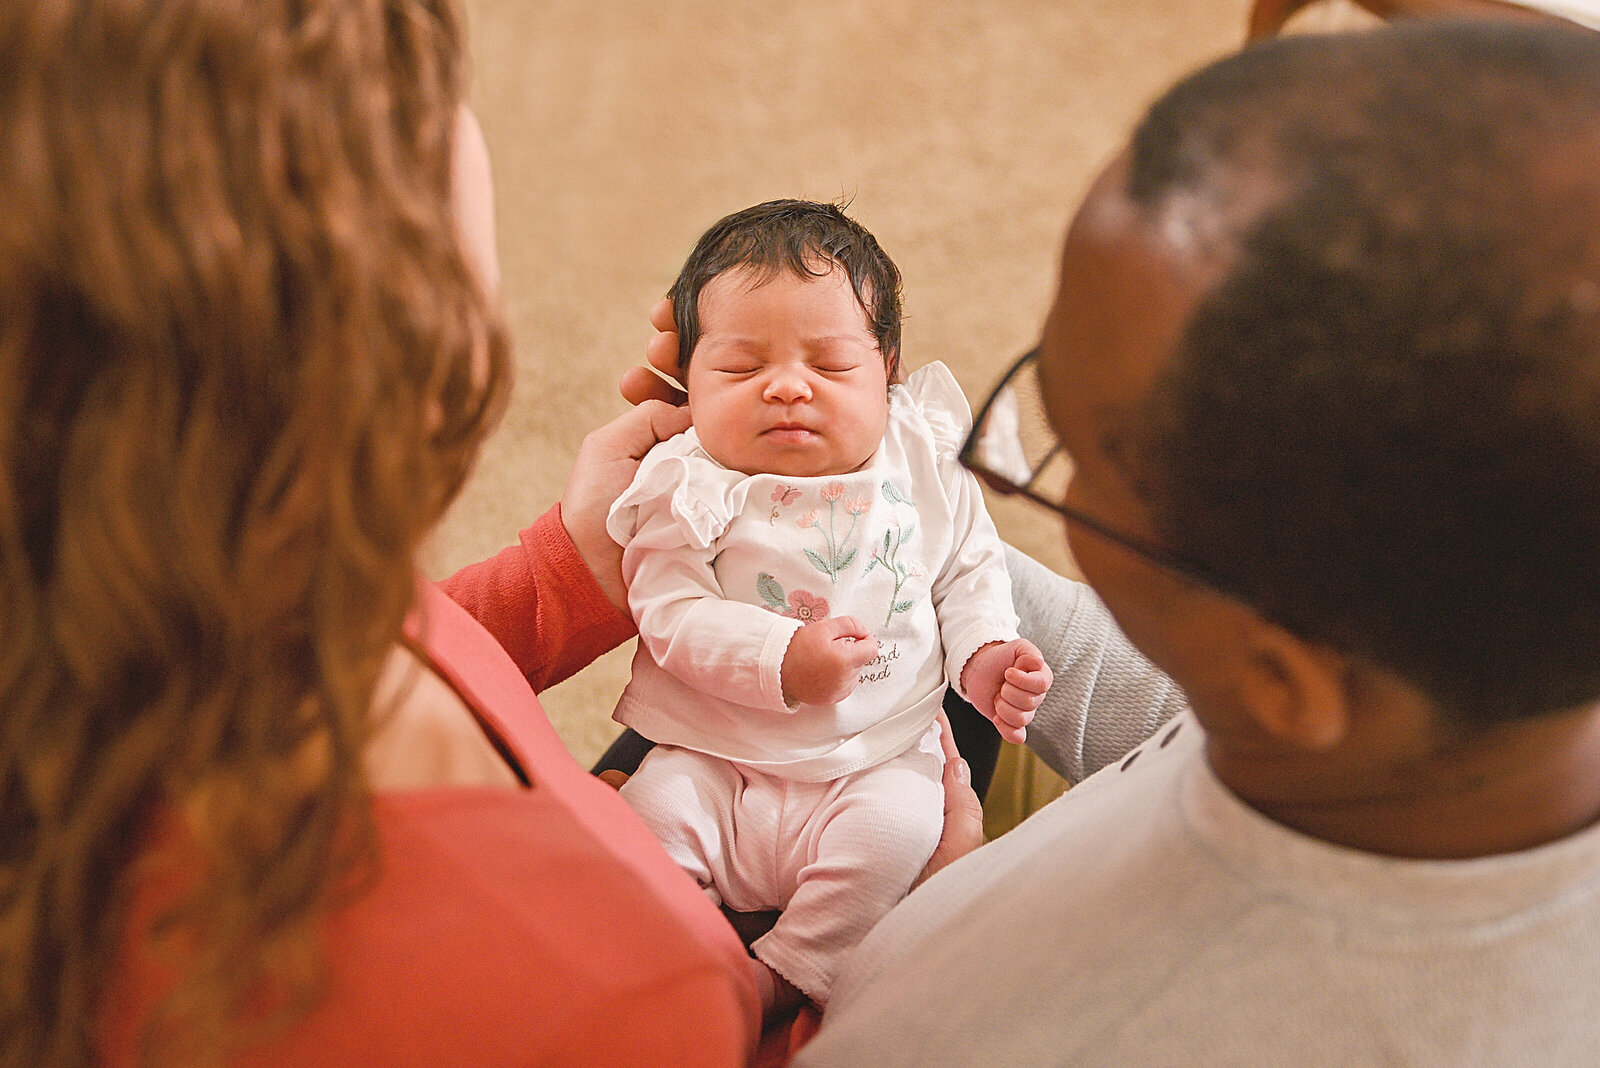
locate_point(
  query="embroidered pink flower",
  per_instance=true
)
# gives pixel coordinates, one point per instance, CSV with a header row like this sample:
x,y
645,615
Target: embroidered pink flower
x,y
857,505
784,495
806,607
832,491
807,521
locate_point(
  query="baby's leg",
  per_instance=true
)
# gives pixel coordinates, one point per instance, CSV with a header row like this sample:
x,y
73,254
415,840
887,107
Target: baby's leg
x,y
868,838
686,799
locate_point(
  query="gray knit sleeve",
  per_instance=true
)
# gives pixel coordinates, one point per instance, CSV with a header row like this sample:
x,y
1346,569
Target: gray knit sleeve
x,y
1106,698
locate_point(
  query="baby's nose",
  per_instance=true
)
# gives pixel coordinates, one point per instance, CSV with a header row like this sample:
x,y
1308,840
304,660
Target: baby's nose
x,y
787,385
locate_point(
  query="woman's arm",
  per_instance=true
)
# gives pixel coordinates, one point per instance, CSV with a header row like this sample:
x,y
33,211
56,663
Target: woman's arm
x,y
556,600
541,602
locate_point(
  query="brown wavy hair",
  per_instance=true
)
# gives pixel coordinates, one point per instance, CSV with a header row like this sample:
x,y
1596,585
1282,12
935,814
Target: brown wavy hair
x,y
245,363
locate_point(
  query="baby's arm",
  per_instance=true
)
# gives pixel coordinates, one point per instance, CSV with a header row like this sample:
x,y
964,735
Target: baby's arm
x,y
725,648
735,651
1006,681
1004,676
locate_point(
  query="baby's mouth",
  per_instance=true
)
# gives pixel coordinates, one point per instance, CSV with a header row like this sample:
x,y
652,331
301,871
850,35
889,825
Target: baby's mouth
x,y
789,431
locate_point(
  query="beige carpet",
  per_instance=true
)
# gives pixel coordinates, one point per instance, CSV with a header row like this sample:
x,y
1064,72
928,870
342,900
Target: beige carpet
x,y
963,132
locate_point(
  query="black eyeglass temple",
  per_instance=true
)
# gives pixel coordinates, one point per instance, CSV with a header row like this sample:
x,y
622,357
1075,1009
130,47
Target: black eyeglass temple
x,y
1191,570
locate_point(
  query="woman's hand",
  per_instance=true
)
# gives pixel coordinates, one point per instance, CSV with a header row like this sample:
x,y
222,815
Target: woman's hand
x,y
640,384
609,457
604,467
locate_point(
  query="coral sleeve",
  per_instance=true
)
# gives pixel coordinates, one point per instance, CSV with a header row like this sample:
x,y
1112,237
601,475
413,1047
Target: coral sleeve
x,y
541,603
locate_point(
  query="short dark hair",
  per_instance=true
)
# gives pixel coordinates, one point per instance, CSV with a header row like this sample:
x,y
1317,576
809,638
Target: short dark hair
x,y
805,237
1384,420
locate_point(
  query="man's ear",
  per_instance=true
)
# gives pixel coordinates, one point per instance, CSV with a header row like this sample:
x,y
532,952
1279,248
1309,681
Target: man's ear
x,y
1296,690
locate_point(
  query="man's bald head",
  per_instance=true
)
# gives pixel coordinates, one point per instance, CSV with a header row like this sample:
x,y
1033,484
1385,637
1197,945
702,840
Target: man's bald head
x,y
1383,417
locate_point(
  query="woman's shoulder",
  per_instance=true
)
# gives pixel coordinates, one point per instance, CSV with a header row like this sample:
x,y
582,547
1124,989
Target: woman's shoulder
x,y
426,734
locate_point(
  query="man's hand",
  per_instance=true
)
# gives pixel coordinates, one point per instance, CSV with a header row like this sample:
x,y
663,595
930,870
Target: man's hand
x,y
639,384
824,660
604,467
963,809
1006,681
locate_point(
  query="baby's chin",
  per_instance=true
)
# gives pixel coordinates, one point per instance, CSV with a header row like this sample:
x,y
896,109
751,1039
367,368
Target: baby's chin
x,y
784,464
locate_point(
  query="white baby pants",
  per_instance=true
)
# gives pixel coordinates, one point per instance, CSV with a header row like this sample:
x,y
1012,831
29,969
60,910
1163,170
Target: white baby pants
x,y
835,856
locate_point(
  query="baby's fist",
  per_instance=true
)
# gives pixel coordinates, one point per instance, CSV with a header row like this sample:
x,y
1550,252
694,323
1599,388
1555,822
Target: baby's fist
x,y
1007,681
824,660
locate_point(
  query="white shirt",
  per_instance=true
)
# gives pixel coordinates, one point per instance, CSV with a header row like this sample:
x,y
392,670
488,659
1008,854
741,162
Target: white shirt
x,y
1150,918
723,568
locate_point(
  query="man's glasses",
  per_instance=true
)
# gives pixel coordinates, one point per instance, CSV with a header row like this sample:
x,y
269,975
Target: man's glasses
x,y
1013,449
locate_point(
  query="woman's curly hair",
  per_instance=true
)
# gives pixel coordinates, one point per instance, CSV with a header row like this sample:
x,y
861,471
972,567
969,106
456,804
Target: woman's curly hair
x,y
245,363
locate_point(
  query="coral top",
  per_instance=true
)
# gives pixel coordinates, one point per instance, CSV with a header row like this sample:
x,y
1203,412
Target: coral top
x,y
542,926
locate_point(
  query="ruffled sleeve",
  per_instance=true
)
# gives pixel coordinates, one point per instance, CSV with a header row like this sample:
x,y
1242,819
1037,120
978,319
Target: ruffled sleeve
x,y
934,392
701,495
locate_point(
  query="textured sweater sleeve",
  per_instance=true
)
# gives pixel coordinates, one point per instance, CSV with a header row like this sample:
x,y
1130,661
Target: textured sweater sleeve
x,y
1106,698
541,603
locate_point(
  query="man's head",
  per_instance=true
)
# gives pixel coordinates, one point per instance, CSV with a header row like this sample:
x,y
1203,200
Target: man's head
x,y
1331,327
803,238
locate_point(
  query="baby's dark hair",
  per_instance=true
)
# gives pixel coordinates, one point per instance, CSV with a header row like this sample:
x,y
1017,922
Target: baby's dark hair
x,y
1383,421
807,238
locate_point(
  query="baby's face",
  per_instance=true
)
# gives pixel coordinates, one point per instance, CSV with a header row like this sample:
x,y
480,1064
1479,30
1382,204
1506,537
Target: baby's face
x,y
787,378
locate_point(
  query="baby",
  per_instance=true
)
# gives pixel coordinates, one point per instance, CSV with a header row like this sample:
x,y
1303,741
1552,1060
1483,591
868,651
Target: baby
x,y
809,566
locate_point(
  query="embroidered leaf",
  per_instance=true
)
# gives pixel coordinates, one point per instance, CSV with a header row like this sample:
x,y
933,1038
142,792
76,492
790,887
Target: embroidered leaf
x,y
874,562
848,557
906,532
886,543
771,591
818,562
902,606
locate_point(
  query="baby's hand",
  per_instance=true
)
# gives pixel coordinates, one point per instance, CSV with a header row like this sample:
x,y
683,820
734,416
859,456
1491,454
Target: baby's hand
x,y
824,660
1006,681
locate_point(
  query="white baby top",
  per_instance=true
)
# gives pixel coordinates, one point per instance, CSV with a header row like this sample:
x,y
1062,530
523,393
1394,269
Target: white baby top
x,y
723,568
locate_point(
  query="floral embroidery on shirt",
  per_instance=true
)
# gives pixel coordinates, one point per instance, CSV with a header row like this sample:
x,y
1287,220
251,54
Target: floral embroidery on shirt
x,y
783,495
888,554
800,604
838,553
